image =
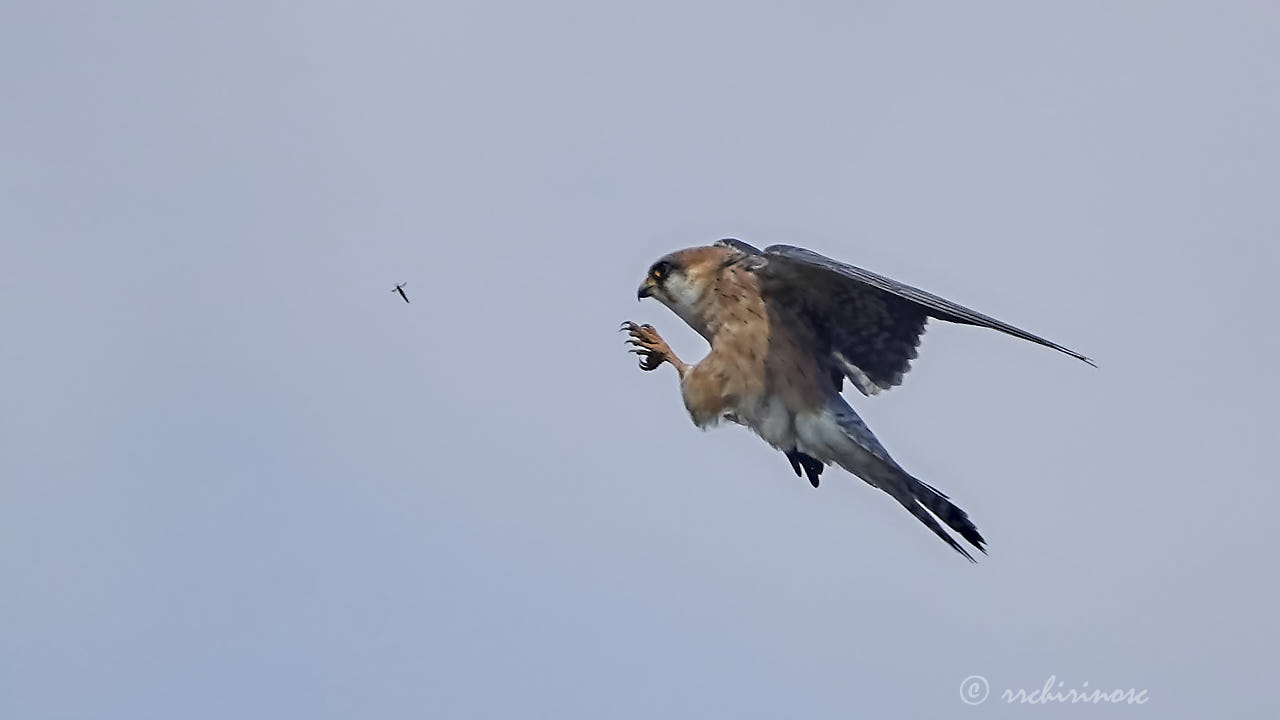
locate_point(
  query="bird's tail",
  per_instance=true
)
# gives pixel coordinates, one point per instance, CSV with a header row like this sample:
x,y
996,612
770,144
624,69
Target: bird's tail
x,y
838,435
925,503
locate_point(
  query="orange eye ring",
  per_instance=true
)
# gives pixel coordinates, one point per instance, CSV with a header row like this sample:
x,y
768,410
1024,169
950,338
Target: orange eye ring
x,y
659,270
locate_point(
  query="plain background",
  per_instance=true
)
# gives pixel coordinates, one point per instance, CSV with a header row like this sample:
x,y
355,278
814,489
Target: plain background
x,y
241,479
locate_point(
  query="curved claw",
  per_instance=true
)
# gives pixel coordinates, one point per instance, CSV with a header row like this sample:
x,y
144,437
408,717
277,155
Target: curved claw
x,y
645,343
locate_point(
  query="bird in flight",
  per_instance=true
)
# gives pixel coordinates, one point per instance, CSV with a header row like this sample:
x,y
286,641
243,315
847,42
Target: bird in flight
x,y
400,289
787,327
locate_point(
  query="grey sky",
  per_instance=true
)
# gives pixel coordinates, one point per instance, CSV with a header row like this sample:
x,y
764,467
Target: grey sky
x,y
239,478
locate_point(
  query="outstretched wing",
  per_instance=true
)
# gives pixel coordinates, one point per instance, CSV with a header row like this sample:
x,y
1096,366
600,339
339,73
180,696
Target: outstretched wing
x,y
870,324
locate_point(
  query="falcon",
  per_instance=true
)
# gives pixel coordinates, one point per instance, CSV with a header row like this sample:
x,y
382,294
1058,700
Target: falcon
x,y
787,328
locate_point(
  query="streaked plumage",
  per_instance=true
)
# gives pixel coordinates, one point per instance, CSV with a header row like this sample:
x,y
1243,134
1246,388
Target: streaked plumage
x,y
786,327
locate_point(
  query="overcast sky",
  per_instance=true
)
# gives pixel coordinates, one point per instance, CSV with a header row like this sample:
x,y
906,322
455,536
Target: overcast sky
x,y
239,478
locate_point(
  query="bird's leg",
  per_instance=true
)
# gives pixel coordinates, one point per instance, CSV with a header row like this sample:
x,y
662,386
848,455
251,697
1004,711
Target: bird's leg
x,y
651,348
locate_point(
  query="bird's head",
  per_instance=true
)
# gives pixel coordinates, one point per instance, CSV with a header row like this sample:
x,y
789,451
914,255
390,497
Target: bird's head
x,y
679,279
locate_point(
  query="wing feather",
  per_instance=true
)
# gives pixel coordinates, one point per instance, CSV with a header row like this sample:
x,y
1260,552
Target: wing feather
x,y
871,323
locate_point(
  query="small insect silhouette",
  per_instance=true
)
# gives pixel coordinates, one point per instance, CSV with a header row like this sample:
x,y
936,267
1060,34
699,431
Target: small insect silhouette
x,y
400,289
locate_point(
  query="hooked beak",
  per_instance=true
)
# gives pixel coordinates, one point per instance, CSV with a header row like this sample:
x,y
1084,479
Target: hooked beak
x,y
645,290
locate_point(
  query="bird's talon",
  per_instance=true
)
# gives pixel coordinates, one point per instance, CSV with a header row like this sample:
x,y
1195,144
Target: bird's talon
x,y
646,343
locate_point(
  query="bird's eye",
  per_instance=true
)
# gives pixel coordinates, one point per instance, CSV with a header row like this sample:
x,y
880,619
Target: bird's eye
x,y
659,270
